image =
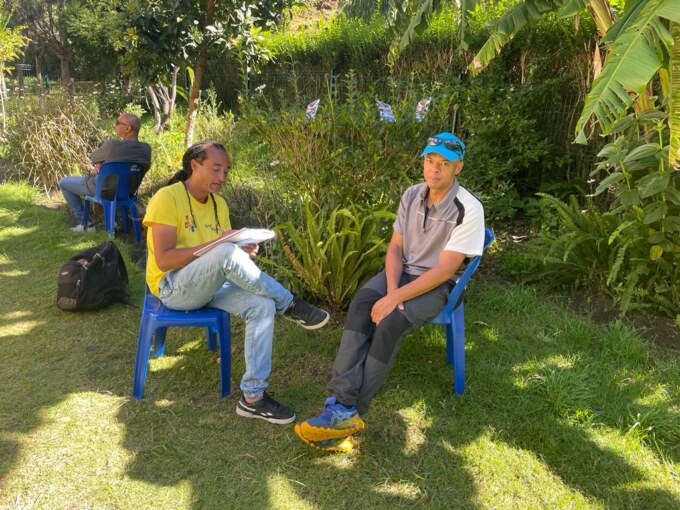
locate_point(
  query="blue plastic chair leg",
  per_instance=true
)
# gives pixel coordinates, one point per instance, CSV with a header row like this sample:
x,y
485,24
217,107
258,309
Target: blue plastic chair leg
x,y
224,331
211,335
86,214
135,223
142,359
125,217
449,344
110,217
159,341
458,350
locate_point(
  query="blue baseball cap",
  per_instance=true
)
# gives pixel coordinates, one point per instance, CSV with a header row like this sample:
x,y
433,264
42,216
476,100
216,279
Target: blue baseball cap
x,y
447,145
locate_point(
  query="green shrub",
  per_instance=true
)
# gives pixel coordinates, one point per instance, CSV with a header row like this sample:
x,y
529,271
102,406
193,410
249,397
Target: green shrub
x,y
507,157
111,101
347,155
337,44
167,148
332,252
48,140
603,250
210,123
633,249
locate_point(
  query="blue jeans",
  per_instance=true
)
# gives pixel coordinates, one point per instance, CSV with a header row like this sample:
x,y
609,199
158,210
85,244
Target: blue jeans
x,y
73,188
228,279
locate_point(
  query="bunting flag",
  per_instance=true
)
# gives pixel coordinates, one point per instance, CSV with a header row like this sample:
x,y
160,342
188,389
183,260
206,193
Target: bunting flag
x,y
312,108
422,107
385,112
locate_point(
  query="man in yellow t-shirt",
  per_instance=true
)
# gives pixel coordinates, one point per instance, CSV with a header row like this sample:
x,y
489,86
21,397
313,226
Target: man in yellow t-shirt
x,y
185,216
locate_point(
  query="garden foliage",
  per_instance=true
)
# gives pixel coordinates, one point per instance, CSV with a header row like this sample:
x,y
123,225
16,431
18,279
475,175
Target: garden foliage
x,y
633,249
334,251
47,140
348,155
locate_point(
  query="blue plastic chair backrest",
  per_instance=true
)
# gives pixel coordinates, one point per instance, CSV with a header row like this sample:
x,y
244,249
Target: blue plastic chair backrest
x,y
462,282
123,172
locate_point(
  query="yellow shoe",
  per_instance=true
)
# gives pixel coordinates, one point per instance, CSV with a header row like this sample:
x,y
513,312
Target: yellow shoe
x,y
336,421
341,444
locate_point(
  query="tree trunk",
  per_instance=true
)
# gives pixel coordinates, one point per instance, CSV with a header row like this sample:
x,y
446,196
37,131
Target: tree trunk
x,y
127,82
168,96
198,76
602,15
156,107
66,81
2,101
173,90
163,100
674,98
39,76
164,96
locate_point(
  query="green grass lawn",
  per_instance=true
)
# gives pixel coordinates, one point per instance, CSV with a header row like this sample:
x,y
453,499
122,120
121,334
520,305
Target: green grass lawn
x,y
558,412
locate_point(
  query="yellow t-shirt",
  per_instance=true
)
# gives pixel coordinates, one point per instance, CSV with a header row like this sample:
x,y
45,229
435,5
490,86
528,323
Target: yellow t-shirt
x,y
170,206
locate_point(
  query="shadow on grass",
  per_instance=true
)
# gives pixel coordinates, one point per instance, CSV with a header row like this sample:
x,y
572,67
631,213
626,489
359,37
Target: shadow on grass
x,y
422,445
512,436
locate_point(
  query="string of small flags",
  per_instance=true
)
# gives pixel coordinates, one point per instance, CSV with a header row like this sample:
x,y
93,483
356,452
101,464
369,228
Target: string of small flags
x,y
384,110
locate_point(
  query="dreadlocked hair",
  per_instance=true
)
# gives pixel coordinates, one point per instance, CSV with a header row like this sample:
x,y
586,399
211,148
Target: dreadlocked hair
x,y
198,152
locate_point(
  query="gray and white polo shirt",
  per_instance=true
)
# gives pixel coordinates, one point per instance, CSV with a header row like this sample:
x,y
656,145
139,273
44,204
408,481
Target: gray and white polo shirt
x,y
454,224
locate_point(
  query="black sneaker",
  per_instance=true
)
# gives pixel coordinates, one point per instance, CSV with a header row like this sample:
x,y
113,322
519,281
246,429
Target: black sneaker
x,y
306,315
265,409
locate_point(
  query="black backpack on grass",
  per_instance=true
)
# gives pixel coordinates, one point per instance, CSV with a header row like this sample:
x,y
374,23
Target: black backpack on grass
x,y
93,279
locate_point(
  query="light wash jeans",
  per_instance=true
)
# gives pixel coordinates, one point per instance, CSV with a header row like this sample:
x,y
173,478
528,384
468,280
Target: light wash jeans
x,y
228,279
73,188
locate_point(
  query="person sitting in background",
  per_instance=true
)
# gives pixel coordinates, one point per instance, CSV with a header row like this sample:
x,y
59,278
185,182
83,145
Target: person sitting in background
x,y
128,149
184,217
439,226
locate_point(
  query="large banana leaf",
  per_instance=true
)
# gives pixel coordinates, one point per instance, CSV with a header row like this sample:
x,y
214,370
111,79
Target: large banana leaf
x,y
572,7
625,20
466,7
674,95
507,26
634,58
415,23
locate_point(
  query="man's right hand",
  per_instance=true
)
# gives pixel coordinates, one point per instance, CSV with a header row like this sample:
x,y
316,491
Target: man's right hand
x,y
383,307
251,249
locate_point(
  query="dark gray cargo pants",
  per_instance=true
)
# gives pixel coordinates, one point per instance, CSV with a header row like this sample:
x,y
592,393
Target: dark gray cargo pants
x,y
367,352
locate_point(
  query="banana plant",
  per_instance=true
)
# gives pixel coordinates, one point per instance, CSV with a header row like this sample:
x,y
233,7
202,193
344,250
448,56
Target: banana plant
x,y
503,30
644,41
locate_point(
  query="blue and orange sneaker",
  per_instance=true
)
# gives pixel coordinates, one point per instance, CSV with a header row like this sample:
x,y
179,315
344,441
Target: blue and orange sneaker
x,y
341,444
335,422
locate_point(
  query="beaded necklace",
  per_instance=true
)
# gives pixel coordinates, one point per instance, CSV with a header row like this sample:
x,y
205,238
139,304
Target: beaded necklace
x,y
191,211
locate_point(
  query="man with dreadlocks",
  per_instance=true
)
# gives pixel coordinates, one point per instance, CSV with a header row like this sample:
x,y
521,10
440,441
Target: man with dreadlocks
x,y
185,216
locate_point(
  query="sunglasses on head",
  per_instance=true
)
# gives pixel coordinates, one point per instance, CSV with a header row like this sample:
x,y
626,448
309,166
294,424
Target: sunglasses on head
x,y
452,145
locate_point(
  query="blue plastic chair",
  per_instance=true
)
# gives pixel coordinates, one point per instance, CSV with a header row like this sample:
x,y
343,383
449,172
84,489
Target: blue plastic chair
x,y
156,319
454,321
123,172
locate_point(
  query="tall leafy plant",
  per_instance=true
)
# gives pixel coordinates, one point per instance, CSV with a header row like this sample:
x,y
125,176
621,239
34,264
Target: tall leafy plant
x,y
643,185
12,41
632,250
47,142
332,252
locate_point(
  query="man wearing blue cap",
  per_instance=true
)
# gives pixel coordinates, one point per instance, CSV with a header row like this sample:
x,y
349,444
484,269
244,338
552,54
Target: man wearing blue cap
x,y
439,226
